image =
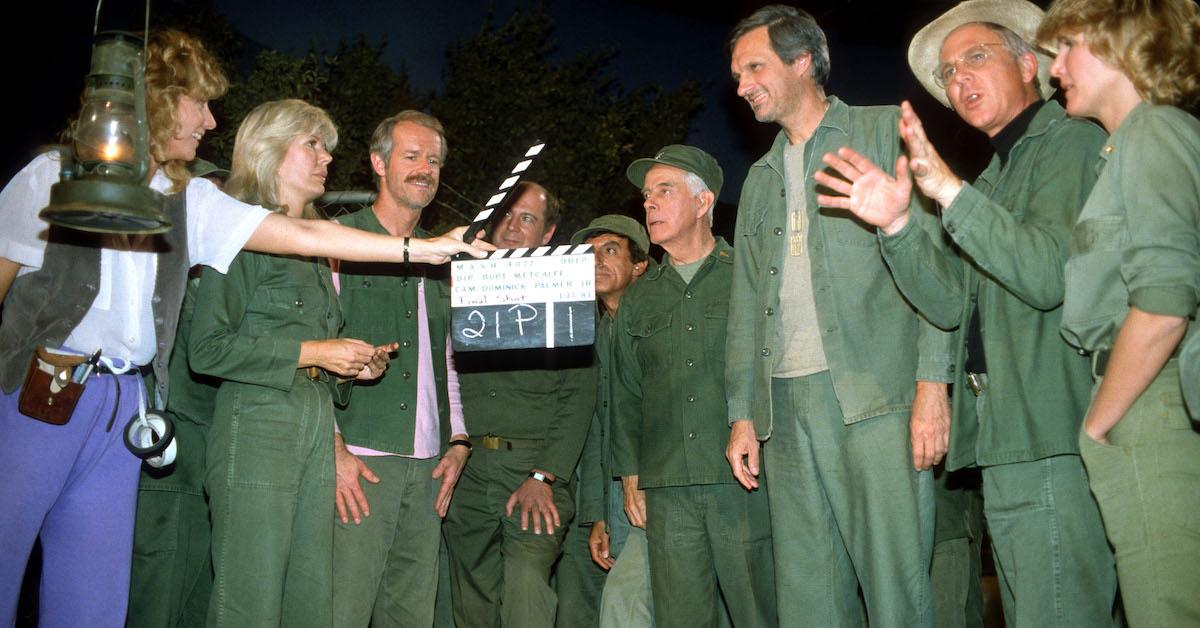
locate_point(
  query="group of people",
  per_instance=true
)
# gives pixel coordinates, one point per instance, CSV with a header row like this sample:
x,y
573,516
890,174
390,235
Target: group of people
x,y
764,433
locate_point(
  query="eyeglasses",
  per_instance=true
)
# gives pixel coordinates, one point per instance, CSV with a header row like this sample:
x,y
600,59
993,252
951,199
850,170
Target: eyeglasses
x,y
975,57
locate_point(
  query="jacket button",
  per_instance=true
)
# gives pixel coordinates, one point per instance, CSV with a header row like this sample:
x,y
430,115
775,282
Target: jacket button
x,y
366,283
406,375
769,311
692,435
156,299
766,352
778,230
403,406
691,398
491,393
405,344
408,314
299,302
690,362
688,294
691,327
773,270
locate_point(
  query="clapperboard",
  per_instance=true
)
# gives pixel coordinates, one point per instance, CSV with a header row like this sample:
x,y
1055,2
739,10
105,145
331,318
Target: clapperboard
x,y
522,298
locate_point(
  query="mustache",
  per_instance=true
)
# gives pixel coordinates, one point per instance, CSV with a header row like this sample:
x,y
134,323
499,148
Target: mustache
x,y
422,178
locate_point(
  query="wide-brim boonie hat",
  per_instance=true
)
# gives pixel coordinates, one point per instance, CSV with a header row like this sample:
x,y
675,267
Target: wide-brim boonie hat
x,y
1018,16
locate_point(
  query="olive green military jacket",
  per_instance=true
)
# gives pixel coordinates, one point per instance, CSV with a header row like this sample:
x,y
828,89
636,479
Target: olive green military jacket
x,y
1189,374
379,302
1137,242
668,395
542,395
248,326
1012,230
875,343
192,394
595,464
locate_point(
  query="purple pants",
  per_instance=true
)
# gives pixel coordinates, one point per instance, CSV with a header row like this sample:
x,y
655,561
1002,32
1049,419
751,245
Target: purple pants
x,y
76,486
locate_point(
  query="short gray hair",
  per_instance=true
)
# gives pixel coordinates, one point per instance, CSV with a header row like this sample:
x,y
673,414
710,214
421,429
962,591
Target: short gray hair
x,y
1015,45
793,32
696,185
381,139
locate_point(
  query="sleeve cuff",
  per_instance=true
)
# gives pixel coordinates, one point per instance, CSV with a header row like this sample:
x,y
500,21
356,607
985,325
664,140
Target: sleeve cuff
x,y
281,371
1165,300
901,240
936,368
738,409
959,216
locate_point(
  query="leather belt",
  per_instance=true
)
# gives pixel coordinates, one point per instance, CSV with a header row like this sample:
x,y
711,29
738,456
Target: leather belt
x,y
491,441
140,369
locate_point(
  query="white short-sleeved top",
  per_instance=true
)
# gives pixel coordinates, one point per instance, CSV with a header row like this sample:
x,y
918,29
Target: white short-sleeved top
x,y
120,321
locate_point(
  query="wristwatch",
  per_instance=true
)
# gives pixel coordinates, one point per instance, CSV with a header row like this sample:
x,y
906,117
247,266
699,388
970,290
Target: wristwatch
x,y
541,477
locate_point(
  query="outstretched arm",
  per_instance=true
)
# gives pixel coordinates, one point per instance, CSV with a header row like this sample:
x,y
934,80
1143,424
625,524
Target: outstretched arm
x,y
320,238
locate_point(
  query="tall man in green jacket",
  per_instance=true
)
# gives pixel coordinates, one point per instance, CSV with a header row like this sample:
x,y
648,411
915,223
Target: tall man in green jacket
x,y
827,362
404,433
1021,392
709,539
529,411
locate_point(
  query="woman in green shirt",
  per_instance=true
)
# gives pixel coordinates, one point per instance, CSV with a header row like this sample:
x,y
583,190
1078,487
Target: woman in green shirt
x,y
269,328
1133,283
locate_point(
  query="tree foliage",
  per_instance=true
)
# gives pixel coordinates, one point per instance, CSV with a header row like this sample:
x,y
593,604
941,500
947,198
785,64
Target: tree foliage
x,y
504,89
353,84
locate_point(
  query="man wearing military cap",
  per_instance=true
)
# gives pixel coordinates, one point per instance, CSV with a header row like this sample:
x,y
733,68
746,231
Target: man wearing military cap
x,y
709,539
611,582
1020,391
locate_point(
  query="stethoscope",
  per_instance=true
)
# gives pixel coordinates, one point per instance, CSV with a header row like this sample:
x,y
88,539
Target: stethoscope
x,y
150,434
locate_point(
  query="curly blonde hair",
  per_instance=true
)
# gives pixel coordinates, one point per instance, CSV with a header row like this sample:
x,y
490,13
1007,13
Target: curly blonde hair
x,y
1153,42
261,144
177,64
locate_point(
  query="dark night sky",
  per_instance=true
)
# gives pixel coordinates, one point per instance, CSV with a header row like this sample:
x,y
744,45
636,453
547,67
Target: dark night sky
x,y
660,42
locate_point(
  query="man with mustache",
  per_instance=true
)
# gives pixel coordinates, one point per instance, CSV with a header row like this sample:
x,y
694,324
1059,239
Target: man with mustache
x,y
622,598
529,411
827,362
1021,392
403,434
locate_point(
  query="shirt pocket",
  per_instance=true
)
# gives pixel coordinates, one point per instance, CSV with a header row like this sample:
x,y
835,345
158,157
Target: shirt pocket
x,y
755,218
848,231
652,339
1104,233
300,309
369,308
716,322
1095,292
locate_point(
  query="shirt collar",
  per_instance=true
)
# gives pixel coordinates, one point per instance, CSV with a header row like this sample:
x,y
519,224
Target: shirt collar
x,y
1007,138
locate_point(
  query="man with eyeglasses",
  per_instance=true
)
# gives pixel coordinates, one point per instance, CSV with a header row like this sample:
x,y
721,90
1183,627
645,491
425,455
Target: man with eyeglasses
x,y
1020,392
